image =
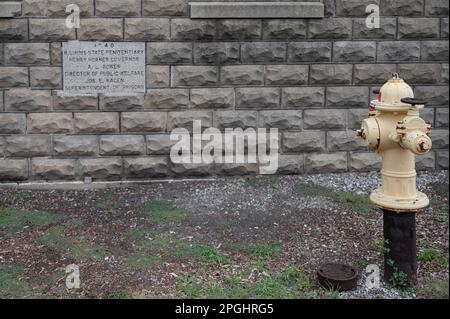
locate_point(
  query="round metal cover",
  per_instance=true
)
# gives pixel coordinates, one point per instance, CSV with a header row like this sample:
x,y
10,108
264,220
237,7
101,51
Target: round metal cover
x,y
337,276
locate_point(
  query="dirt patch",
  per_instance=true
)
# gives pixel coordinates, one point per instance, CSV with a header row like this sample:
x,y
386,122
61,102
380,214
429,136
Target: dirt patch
x,y
233,237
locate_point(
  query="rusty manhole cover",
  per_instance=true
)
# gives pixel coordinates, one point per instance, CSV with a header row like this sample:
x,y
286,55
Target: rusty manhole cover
x,y
337,276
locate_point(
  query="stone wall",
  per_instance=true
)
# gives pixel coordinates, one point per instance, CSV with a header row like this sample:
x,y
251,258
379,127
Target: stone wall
x,y
311,78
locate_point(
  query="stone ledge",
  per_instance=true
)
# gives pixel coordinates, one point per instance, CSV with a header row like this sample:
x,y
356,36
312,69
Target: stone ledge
x,y
10,9
223,10
80,185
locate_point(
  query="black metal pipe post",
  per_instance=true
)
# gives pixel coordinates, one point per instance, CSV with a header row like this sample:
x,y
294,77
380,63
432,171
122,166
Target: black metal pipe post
x,y
400,240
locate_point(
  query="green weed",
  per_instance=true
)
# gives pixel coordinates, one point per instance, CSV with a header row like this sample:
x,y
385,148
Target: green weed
x,y
139,233
261,181
356,202
288,284
258,250
162,212
399,280
431,255
435,289
178,250
140,262
13,221
77,248
120,294
439,209
382,245
441,189
10,284
200,252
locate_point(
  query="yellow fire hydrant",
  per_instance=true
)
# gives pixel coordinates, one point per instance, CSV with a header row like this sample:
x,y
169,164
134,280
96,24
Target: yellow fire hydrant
x,y
396,132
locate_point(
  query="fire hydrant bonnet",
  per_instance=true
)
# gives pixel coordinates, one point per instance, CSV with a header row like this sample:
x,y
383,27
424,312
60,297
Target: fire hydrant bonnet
x,y
392,93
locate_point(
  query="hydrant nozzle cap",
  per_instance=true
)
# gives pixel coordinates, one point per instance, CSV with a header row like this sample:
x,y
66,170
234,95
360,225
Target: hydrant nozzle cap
x,y
423,145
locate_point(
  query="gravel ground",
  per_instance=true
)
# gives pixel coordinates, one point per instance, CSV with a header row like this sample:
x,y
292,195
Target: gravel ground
x,y
226,211
364,183
384,292
215,198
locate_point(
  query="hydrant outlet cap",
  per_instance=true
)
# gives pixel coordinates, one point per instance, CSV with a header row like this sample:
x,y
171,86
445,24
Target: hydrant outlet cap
x,y
423,145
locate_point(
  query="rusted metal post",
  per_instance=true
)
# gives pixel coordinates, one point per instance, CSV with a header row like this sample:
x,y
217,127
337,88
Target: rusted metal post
x,y
400,239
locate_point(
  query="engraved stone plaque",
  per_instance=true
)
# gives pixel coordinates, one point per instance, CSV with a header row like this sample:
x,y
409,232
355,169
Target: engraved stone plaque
x,y
110,68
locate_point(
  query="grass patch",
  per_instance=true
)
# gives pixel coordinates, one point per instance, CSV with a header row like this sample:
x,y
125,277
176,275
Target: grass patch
x,y
439,206
15,198
357,203
428,255
139,233
261,181
120,294
74,222
140,262
399,280
431,255
193,290
159,244
52,236
439,209
381,245
178,250
311,190
262,265
441,189
289,284
444,259
13,221
54,284
84,249
274,288
205,253
258,250
162,212
77,248
435,289
10,284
